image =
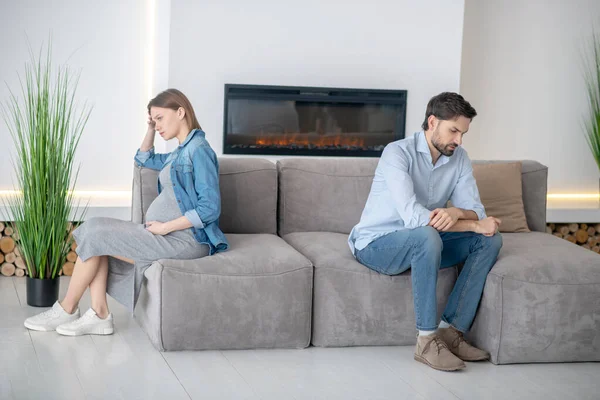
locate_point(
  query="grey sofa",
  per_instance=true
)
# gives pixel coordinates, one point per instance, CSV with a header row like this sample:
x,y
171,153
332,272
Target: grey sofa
x,y
541,302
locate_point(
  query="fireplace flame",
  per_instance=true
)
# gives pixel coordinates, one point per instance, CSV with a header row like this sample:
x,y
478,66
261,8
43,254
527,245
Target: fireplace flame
x,y
302,140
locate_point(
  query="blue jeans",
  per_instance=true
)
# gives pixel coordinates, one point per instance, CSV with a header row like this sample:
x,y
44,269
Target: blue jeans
x,y
426,250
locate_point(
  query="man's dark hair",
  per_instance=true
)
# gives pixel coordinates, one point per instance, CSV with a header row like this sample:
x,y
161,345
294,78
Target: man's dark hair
x,y
447,106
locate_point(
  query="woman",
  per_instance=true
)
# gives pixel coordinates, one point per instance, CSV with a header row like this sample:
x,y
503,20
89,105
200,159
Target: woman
x,y
182,223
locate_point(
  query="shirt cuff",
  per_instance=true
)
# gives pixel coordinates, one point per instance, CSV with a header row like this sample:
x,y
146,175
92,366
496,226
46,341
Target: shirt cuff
x,y
143,156
480,213
421,217
194,218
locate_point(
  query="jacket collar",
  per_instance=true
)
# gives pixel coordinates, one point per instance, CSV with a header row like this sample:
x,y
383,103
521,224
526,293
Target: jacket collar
x,y
190,135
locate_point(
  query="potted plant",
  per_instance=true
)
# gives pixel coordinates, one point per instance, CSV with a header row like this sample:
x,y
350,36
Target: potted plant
x,y
45,127
592,83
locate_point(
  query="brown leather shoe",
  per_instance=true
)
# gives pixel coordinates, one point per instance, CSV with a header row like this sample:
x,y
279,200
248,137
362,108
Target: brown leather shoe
x,y
459,347
432,350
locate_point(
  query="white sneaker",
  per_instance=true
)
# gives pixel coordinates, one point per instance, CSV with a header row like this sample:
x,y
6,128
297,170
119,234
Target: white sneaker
x,y
88,324
50,319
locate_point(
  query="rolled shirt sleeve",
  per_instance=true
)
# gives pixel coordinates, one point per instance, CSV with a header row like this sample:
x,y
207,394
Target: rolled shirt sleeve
x,y
194,218
466,193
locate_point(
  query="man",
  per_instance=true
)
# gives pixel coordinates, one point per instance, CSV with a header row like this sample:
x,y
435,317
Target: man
x,y
405,224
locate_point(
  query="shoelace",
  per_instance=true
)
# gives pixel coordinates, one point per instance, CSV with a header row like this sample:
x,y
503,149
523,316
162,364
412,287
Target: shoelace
x,y
85,317
439,344
458,339
51,313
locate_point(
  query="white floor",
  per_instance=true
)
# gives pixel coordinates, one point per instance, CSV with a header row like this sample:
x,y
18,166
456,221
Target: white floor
x,y
38,365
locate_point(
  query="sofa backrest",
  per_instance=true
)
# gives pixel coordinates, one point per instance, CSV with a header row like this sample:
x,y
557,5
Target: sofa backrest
x,y
330,194
248,195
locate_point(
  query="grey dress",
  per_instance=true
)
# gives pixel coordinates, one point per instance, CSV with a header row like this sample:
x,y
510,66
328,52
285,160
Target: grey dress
x,y
115,237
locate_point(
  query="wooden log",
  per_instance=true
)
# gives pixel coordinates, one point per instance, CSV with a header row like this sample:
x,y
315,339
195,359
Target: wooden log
x,y
581,236
552,226
72,256
597,227
17,251
10,258
548,229
8,231
69,226
558,235
573,227
592,241
19,272
583,226
591,231
586,246
596,249
16,236
7,244
571,238
67,268
2,226
73,246
1,257
7,269
20,263
564,230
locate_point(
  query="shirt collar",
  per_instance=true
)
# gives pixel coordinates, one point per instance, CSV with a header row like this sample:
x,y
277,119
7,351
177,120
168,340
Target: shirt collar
x,y
423,147
190,136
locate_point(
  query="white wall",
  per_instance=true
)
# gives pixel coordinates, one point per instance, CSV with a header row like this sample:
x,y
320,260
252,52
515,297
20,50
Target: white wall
x,y
378,44
521,70
107,42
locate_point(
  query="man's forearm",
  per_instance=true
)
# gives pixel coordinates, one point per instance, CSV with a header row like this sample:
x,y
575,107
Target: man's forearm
x,y
467,215
464,225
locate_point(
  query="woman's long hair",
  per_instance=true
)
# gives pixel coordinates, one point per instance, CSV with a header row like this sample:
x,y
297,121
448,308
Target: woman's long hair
x,y
173,99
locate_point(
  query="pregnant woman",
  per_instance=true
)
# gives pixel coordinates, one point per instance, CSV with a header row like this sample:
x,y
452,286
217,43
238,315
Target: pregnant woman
x,y
182,223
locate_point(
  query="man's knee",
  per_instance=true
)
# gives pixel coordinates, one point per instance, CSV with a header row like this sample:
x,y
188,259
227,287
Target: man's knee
x,y
429,238
492,243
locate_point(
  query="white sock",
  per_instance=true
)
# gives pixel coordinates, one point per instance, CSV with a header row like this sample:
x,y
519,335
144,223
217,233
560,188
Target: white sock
x,y
444,324
425,333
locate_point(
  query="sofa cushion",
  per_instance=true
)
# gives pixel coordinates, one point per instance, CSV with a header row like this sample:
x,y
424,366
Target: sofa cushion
x,y
502,195
323,195
329,195
248,194
355,306
258,294
541,302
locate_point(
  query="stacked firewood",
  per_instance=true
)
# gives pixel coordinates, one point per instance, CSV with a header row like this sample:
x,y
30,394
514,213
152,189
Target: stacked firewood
x,y
11,260
585,235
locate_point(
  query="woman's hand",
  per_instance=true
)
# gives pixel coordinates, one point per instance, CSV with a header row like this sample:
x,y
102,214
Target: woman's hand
x,y
151,124
157,228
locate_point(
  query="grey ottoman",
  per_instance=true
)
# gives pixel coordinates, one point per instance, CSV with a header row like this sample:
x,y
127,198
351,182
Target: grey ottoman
x,y
541,302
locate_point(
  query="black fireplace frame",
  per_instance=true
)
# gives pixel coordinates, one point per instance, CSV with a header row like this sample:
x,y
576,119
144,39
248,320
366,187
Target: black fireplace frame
x,y
314,94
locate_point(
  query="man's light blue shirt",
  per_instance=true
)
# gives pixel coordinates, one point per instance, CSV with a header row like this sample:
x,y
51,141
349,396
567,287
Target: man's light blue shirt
x,y
407,187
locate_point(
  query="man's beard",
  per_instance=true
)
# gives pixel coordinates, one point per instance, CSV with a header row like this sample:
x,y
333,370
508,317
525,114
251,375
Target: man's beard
x,y
444,149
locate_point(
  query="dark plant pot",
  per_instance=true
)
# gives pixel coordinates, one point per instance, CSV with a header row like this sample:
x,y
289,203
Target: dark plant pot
x,y
42,292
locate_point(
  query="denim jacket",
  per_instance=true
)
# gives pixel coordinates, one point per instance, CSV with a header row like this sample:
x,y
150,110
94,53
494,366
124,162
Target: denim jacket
x,y
195,177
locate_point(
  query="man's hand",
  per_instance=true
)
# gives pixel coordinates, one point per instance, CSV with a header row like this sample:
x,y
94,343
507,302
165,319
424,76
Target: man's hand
x,y
488,226
443,219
